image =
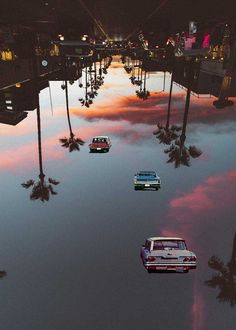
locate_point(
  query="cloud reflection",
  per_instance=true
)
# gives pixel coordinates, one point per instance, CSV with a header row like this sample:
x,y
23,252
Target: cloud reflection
x,y
210,196
204,209
154,109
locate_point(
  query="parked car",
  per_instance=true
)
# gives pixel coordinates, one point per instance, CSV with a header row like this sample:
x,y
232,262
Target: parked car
x,y
100,143
146,179
167,254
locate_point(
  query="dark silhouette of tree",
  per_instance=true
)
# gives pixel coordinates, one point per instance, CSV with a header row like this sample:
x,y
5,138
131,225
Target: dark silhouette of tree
x,y
41,189
225,277
166,134
143,93
2,273
179,153
72,143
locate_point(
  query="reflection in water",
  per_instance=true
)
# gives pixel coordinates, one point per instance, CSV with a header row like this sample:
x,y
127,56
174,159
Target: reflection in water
x,y
93,81
2,273
72,142
141,78
143,93
178,152
166,134
225,278
42,188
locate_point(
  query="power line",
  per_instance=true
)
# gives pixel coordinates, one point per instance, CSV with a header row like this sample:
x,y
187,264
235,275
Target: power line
x,y
147,19
94,19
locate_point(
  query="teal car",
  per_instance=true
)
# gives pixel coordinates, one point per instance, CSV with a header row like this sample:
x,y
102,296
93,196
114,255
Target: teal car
x,y
147,180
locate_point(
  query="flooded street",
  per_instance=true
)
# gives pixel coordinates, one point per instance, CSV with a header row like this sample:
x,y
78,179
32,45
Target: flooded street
x,y
73,262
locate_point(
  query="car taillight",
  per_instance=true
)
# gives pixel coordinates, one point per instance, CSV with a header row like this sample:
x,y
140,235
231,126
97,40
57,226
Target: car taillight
x,y
190,259
151,258
193,258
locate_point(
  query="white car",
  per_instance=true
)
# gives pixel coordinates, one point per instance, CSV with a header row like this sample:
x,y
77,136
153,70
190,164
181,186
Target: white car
x,y
167,254
146,180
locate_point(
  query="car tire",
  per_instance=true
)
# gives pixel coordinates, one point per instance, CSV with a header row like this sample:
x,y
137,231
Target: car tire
x,y
135,188
150,271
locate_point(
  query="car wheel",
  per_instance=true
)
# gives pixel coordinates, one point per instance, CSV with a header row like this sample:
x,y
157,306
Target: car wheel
x,y
135,188
149,271
186,271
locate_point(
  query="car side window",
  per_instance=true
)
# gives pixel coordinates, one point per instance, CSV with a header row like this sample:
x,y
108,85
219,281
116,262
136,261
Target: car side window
x,y
158,245
148,245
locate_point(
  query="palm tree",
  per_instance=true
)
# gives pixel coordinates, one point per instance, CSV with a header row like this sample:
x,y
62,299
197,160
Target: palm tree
x,y
2,273
42,188
72,142
166,134
178,152
142,93
225,278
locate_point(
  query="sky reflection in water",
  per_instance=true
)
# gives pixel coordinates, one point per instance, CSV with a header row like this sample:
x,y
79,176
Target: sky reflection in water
x,y
73,262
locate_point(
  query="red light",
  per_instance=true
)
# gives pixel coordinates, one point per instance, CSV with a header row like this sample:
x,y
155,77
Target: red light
x,y
190,259
151,258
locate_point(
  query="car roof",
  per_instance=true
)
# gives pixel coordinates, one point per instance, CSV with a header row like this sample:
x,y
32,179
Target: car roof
x,y
165,238
101,137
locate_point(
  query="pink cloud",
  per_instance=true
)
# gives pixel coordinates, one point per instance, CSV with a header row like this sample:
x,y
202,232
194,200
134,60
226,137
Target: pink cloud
x,y
19,159
154,109
210,196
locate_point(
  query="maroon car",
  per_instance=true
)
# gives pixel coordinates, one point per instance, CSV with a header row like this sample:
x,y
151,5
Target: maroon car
x,y
100,143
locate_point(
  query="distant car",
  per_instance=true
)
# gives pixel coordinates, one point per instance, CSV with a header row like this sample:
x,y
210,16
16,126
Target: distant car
x,y
146,179
100,143
167,254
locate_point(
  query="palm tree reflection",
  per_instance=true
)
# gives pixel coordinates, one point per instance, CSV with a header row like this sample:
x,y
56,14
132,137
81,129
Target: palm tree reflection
x,y
2,273
166,134
178,152
225,278
72,143
41,189
143,93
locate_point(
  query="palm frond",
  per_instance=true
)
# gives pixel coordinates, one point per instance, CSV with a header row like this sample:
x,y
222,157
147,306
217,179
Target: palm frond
x,y
27,184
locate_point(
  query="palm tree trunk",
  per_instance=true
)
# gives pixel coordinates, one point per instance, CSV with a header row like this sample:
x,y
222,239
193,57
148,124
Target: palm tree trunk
x,y
141,78
86,83
95,71
144,84
169,101
164,82
67,108
233,257
138,70
41,174
187,100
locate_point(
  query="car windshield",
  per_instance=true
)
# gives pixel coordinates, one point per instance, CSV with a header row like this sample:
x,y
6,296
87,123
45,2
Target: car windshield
x,y
169,244
99,140
152,174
